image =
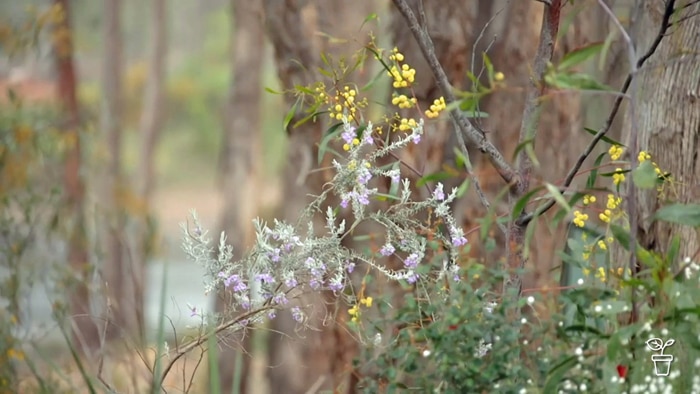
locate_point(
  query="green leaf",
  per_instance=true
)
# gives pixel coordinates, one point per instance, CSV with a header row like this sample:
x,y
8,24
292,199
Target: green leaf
x,y
331,133
369,18
434,177
270,90
558,197
575,81
683,214
557,373
674,248
644,176
579,56
621,235
385,197
463,188
606,48
519,206
489,66
522,146
590,183
460,158
288,117
604,138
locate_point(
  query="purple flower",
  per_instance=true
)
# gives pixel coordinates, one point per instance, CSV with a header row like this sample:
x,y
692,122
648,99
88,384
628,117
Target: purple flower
x,y
363,198
271,314
395,176
280,299
459,241
412,277
336,284
438,193
265,278
350,267
411,261
364,176
349,134
291,282
416,138
274,256
314,283
367,137
387,250
456,278
344,202
297,314
457,236
233,280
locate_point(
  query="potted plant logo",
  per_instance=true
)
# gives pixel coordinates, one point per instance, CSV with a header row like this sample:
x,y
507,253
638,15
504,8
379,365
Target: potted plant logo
x,y
662,362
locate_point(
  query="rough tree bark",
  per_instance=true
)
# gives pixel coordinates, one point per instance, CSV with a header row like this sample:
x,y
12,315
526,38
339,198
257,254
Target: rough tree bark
x,y
85,332
240,157
667,120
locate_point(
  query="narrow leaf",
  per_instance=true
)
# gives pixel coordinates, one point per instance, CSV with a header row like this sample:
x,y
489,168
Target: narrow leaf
x,y
683,214
579,56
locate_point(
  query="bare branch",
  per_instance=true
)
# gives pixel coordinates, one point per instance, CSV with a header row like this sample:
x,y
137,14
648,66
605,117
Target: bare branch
x,y
475,137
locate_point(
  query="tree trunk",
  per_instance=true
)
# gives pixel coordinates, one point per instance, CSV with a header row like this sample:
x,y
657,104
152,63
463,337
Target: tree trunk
x,y
322,359
240,156
118,277
667,120
560,133
150,126
85,333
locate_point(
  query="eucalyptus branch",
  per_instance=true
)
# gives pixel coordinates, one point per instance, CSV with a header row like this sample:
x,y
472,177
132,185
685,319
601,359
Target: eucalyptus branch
x,y
181,351
665,24
475,137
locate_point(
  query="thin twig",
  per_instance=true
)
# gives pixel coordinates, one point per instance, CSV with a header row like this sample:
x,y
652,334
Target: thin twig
x,y
203,338
475,137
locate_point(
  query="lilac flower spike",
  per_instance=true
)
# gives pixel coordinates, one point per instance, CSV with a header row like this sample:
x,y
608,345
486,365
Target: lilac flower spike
x,y
438,193
349,134
387,250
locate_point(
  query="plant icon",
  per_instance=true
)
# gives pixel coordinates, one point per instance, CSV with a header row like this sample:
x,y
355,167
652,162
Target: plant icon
x,y
662,362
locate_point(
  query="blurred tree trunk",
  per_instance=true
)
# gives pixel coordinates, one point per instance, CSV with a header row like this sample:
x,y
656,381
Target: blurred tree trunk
x,y
150,126
560,136
240,158
85,333
322,360
667,120
118,276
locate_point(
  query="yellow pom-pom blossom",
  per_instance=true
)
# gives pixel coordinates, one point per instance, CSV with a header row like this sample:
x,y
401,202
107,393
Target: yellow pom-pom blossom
x,y
618,176
580,218
643,156
588,199
615,152
435,108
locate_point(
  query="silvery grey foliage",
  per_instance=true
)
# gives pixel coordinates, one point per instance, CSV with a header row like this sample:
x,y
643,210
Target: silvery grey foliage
x,y
287,257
